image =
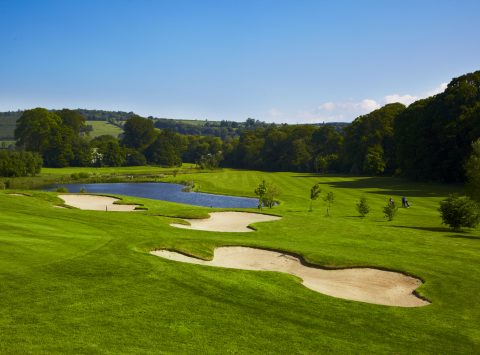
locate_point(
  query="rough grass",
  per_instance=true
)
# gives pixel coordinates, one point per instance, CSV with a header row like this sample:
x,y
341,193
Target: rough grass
x,y
76,281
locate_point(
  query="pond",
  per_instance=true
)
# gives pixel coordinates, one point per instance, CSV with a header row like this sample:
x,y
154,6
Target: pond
x,y
164,192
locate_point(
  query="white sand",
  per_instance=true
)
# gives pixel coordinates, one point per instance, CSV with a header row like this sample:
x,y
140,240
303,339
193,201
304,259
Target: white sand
x,y
227,222
95,203
15,194
358,284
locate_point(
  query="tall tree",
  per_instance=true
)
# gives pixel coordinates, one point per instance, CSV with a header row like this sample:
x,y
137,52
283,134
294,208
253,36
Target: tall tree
x,y
472,170
166,149
139,133
369,141
35,129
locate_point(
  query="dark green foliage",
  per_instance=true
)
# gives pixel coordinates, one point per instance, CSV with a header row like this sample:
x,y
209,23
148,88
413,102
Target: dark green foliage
x,y
434,135
62,189
390,211
285,148
135,158
369,143
272,193
54,135
198,146
472,170
459,211
167,149
72,119
210,161
108,151
267,194
14,164
139,133
362,207
260,191
36,128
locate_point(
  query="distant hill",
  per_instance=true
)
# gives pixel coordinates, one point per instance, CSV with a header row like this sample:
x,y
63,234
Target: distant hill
x,y
8,121
112,122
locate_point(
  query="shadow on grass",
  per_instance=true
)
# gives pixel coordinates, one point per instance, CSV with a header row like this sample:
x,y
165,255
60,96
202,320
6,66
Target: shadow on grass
x,y
390,186
460,235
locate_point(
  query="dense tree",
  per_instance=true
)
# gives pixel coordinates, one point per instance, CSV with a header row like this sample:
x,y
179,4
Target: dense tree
x,y
108,151
35,129
72,119
139,133
369,142
472,170
433,136
459,211
166,149
13,164
135,158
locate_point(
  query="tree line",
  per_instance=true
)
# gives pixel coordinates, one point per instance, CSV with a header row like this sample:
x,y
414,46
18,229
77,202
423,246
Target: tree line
x,y
429,140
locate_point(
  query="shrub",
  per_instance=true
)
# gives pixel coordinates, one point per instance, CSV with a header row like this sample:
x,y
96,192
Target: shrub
x,y
135,158
83,190
14,164
362,207
459,211
189,186
83,175
390,211
62,189
267,193
74,176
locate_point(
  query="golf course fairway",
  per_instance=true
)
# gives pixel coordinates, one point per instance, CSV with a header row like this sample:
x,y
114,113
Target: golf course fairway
x,y
85,282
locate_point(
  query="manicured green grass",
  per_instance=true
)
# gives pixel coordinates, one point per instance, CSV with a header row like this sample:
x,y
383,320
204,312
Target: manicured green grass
x,y
101,128
76,281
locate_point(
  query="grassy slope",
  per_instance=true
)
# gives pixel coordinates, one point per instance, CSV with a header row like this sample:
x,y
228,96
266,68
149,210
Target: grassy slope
x,y
101,128
83,282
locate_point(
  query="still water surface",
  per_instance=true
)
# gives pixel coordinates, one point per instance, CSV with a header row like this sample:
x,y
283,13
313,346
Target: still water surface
x,y
165,192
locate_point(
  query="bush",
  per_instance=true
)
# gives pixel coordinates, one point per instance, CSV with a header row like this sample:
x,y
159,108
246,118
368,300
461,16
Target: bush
x,y
62,189
83,190
83,175
267,193
390,211
15,164
362,207
135,158
74,176
189,186
459,211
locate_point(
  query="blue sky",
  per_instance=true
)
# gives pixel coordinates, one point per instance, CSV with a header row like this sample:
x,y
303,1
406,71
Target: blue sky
x,y
278,61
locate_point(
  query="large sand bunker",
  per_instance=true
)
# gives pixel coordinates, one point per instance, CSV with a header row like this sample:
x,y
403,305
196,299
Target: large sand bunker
x,y
358,284
226,222
95,203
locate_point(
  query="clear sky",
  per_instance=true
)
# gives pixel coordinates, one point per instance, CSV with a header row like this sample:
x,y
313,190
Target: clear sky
x,y
273,60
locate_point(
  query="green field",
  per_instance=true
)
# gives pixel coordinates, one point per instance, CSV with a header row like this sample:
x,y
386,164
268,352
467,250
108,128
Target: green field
x,y
83,282
101,128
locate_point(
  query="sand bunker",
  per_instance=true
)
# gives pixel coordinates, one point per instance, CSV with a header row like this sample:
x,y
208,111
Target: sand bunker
x,y
16,194
95,203
358,284
226,222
